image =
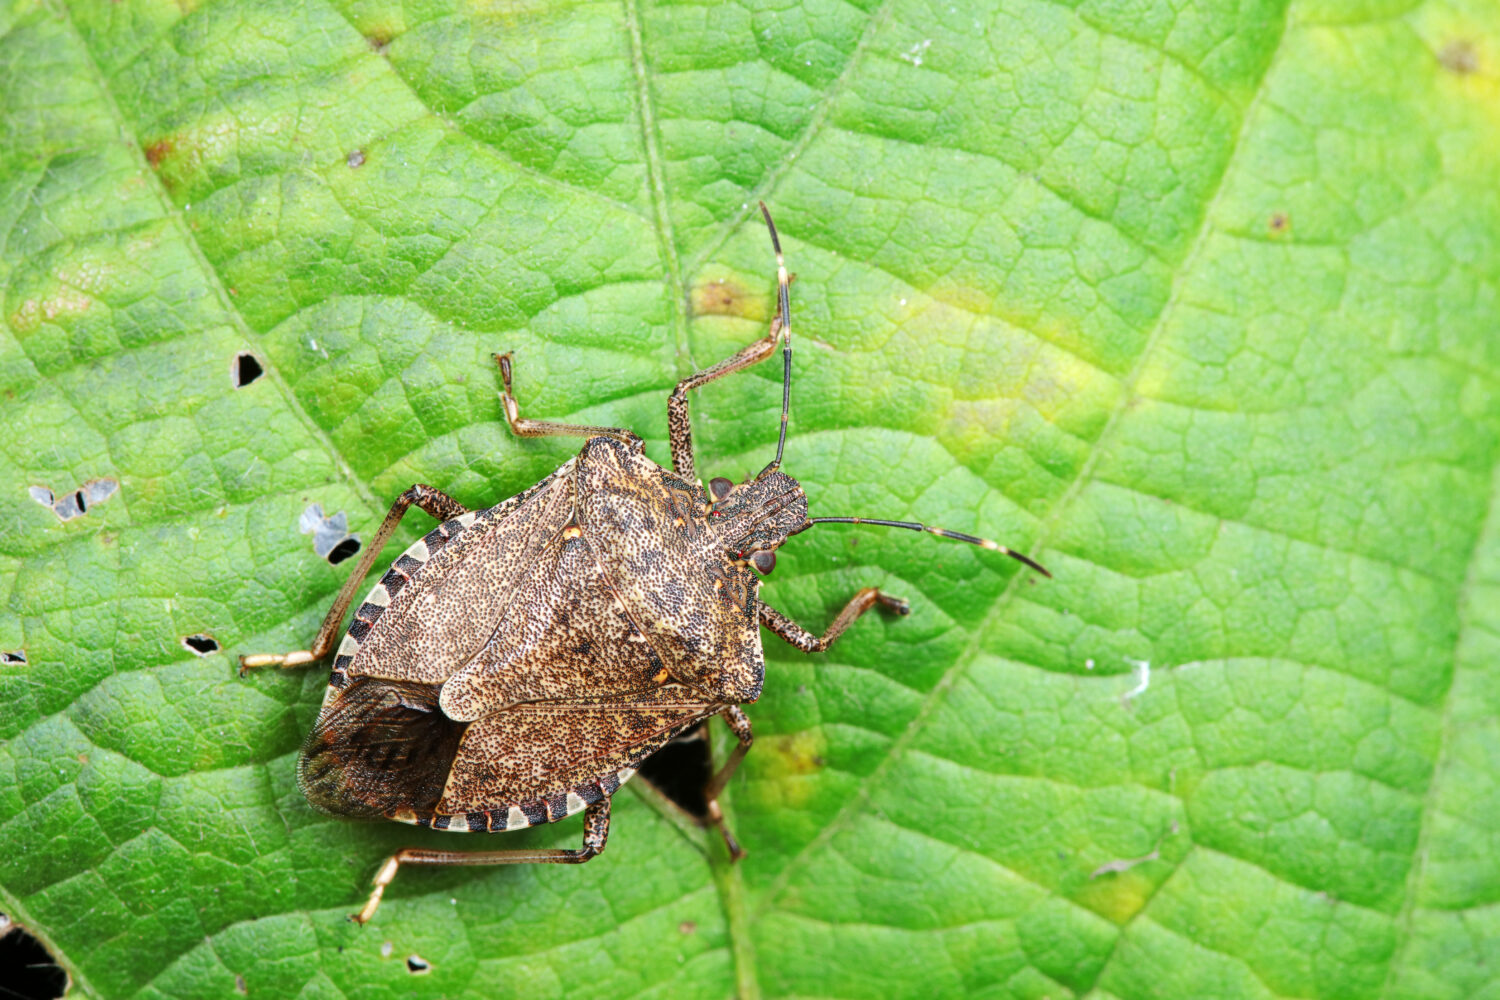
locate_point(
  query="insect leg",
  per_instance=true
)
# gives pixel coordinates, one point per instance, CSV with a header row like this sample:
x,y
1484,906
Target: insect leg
x,y
595,833
679,425
809,643
440,505
740,726
522,427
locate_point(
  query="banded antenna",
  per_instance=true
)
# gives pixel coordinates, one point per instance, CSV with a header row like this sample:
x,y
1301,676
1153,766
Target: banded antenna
x,y
784,308
983,543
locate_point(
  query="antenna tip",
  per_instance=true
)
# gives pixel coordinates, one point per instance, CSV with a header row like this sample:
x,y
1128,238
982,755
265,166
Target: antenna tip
x,y
1018,557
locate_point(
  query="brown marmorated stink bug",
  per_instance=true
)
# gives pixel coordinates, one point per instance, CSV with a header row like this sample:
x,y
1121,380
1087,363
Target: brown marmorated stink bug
x,y
519,663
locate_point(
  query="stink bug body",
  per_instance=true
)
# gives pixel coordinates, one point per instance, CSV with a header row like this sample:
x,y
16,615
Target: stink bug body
x,y
519,663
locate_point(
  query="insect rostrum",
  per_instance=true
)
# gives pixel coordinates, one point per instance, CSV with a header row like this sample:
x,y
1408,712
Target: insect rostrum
x,y
517,664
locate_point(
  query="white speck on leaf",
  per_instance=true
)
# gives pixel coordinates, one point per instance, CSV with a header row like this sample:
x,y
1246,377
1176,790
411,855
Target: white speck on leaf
x,y
1124,864
1143,672
915,54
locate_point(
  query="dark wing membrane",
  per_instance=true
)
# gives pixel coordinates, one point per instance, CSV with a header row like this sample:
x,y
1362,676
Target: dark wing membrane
x,y
539,751
377,747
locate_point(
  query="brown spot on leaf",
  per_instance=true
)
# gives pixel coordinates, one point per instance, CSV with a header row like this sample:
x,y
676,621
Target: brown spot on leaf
x,y
158,151
688,927
1279,223
720,297
1460,56
356,159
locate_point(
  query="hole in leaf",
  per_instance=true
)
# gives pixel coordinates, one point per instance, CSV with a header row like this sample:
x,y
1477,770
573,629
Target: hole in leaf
x,y
331,538
246,369
680,771
201,644
26,967
240,986
13,656
343,550
417,965
75,503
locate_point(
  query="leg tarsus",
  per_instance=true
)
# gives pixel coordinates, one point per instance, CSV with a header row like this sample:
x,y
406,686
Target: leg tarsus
x,y
286,661
435,502
523,427
716,819
595,835
858,605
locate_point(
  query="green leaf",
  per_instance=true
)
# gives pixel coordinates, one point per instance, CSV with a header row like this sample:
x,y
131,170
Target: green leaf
x,y
1195,302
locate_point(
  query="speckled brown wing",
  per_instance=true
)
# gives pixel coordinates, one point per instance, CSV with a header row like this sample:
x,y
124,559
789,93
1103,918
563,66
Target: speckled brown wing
x,y
546,761
577,629
565,637
453,591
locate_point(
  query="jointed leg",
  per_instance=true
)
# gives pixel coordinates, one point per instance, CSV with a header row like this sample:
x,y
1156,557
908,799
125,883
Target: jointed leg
x,y
522,427
809,643
679,425
739,724
655,775
595,833
440,505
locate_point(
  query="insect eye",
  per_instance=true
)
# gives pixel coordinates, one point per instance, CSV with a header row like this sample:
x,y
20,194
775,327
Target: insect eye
x,y
764,561
720,487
